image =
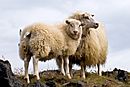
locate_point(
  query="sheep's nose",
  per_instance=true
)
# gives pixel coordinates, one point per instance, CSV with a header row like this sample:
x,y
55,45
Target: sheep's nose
x,y
96,25
75,32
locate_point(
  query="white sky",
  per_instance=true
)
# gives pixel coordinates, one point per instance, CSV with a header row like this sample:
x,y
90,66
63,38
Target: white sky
x,y
16,14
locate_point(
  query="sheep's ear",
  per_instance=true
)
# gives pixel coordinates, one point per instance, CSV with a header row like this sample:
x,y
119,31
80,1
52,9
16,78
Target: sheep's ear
x,y
85,16
27,34
20,31
67,21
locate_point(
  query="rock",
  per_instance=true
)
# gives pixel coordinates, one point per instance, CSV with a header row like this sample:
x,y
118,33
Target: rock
x,y
7,78
121,75
118,74
50,83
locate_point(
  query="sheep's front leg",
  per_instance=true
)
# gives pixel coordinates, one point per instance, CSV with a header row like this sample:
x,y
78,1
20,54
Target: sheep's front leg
x,y
62,67
35,66
99,71
83,71
26,64
67,67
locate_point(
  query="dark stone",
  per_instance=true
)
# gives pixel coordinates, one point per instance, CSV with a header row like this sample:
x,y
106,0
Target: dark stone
x,y
74,84
121,75
7,78
50,83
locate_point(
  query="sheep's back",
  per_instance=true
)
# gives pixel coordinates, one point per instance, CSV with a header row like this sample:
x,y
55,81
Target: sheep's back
x,y
45,39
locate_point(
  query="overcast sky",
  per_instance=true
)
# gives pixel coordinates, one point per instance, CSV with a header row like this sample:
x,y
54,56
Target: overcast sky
x,y
16,14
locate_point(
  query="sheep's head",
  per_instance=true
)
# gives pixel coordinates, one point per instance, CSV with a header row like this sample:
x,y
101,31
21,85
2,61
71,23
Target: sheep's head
x,y
86,19
23,44
24,37
74,29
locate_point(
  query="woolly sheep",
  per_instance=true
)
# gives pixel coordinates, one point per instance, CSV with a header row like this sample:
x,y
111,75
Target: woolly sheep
x,y
93,47
44,42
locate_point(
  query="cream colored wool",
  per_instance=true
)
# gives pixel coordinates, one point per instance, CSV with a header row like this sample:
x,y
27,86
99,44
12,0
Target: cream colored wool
x,y
46,39
93,46
45,42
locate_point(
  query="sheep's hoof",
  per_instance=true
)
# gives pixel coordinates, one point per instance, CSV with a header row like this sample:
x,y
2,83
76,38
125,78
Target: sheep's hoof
x,y
27,80
83,77
63,72
99,73
68,75
37,77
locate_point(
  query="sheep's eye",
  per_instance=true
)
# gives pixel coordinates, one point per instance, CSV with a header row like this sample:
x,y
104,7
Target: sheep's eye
x,y
71,25
81,25
92,15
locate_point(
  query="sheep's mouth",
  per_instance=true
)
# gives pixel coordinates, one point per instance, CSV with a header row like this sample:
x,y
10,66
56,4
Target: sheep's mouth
x,y
75,36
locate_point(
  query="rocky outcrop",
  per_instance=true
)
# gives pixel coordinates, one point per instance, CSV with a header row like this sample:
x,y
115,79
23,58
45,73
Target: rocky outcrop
x,y
7,78
53,78
118,74
121,75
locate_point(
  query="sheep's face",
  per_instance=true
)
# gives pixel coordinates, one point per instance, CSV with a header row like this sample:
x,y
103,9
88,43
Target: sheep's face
x,y
23,45
74,28
85,18
24,38
89,21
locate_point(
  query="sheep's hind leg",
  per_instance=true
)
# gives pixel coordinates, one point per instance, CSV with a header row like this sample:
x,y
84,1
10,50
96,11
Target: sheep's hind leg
x,y
99,70
70,67
83,71
26,65
35,66
67,67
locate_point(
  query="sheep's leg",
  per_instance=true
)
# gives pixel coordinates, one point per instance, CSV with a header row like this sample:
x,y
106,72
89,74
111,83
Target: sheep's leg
x,y
35,66
83,71
67,67
70,67
62,67
99,71
26,65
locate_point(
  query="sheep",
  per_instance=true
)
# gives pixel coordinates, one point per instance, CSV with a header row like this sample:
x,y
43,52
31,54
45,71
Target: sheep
x,y
93,47
44,42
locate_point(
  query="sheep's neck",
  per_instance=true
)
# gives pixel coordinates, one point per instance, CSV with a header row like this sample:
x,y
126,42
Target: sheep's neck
x,y
86,32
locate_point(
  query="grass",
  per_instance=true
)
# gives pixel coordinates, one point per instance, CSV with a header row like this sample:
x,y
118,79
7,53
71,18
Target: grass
x,y
92,80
